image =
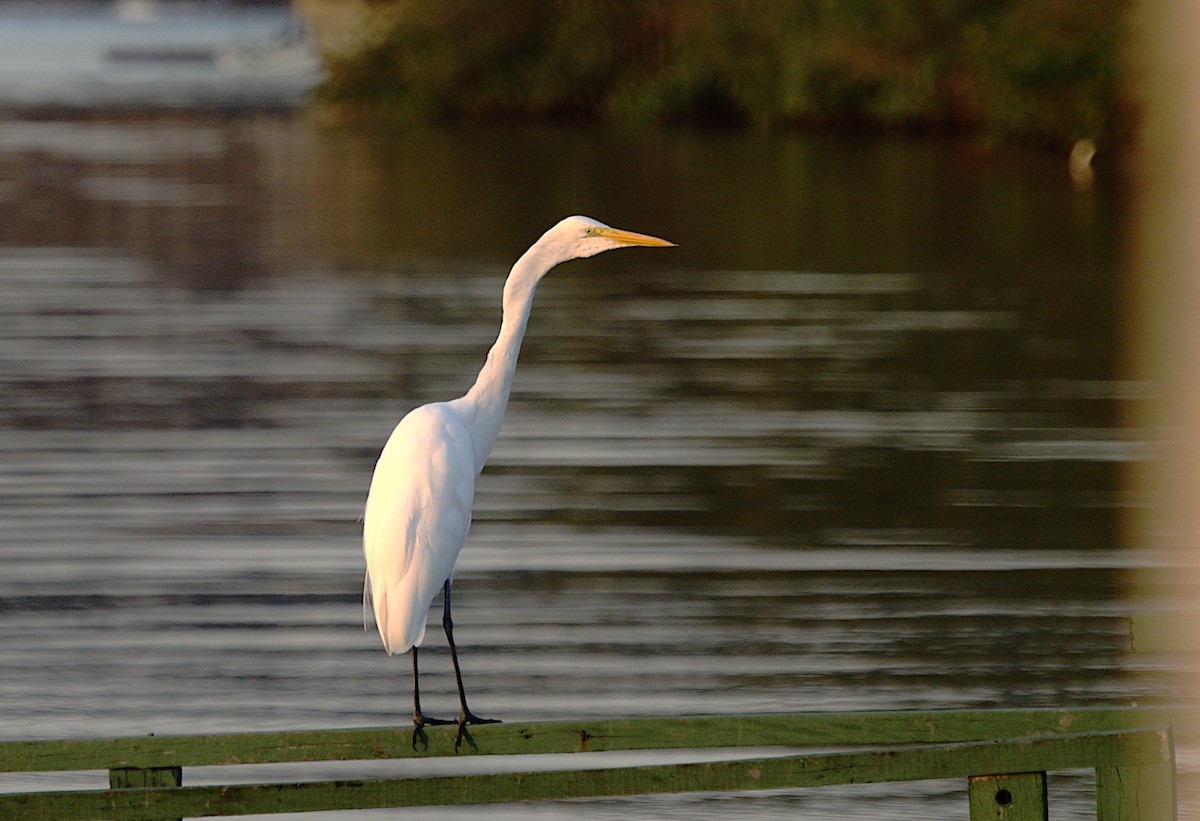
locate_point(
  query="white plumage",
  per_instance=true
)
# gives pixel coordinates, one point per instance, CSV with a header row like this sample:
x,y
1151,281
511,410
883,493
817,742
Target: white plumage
x,y
416,521
419,506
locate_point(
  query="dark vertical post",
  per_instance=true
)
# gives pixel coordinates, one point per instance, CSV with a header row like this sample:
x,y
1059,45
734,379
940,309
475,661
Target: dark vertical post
x,y
140,778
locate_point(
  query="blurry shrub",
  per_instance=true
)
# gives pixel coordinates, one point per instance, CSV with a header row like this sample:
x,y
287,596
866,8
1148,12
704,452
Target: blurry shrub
x,y
1022,68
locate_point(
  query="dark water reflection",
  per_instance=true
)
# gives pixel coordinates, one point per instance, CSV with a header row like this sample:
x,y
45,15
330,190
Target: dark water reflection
x,y
854,444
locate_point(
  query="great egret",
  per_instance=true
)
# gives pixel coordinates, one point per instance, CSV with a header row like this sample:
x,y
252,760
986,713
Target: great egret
x,y
419,505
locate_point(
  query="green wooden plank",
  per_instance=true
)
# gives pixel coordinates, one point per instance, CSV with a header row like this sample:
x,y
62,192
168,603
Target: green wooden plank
x,y
795,730
1110,749
1014,797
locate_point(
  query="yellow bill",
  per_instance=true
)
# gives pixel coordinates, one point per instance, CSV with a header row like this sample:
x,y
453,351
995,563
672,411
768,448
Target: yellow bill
x,y
630,238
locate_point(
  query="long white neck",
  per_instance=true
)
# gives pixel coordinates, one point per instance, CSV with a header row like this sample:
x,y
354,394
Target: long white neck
x,y
484,404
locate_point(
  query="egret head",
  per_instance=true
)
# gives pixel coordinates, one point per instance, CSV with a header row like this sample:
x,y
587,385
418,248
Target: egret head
x,y
578,237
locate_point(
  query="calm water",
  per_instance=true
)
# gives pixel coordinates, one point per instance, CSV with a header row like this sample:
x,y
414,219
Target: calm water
x,y
854,444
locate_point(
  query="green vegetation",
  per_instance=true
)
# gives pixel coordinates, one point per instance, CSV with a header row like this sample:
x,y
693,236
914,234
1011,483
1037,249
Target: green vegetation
x,y
1024,69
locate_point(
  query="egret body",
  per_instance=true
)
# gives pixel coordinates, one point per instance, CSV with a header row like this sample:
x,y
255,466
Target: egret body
x,y
419,506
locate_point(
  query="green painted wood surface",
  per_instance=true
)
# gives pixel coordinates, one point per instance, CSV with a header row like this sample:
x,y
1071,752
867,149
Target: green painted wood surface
x,y
1014,797
1146,791
795,730
1108,749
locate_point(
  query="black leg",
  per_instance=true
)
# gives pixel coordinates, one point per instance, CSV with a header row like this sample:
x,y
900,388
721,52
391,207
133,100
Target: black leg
x,y
419,718
465,716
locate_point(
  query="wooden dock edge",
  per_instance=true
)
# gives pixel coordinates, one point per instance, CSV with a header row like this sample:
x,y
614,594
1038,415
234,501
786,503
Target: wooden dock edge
x,y
1004,754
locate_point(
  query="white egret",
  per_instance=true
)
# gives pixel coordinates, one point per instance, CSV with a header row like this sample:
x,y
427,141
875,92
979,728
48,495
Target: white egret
x,y
419,505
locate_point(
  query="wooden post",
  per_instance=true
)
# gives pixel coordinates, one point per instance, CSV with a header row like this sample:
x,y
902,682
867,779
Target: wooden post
x,y
1016,797
1136,793
141,778
1142,791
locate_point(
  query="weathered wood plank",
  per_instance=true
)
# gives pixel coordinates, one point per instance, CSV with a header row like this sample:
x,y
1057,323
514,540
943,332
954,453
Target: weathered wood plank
x,y
1109,749
1016,797
795,730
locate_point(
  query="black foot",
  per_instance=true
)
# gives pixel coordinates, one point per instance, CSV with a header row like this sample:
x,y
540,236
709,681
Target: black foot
x,y
466,718
421,721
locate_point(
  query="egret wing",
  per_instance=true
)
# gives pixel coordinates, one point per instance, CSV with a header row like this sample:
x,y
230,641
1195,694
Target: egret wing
x,y
417,517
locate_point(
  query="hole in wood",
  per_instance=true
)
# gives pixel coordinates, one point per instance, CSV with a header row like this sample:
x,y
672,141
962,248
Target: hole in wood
x,y
1003,797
